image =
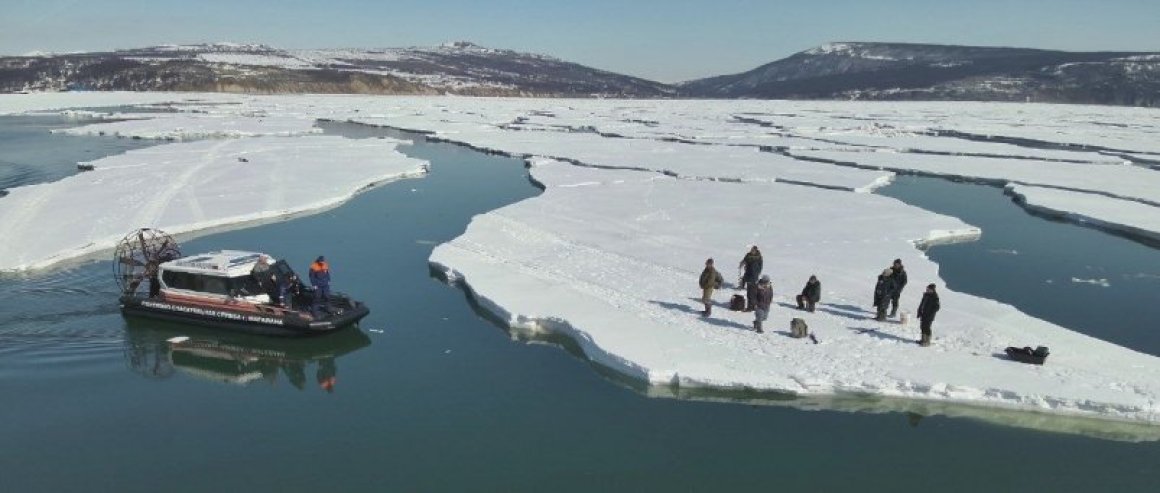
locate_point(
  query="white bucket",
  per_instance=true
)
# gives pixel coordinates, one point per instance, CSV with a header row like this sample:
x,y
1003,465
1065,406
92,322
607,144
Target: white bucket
x,y
904,318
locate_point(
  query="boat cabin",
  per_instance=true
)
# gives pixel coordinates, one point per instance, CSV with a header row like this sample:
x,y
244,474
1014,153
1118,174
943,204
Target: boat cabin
x,y
217,275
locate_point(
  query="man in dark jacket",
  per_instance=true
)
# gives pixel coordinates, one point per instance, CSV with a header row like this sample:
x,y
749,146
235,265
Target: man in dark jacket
x,y
811,294
883,290
763,298
710,280
898,273
750,266
320,279
927,308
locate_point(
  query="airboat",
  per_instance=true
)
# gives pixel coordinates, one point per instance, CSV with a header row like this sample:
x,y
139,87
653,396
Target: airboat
x,y
225,289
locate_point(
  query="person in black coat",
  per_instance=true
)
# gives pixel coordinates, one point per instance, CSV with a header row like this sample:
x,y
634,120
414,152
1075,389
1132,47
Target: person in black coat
x,y
898,273
883,290
811,294
927,308
751,266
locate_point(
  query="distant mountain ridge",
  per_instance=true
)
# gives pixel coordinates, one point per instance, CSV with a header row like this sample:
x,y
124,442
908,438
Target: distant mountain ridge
x,y
905,71
452,68
846,70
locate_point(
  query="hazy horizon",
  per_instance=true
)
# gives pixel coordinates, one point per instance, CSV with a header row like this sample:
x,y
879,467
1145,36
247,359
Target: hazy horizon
x,y
671,42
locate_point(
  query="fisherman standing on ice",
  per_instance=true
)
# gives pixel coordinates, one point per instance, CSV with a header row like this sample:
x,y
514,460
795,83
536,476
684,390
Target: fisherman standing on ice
x,y
883,290
763,298
710,280
750,266
898,273
320,279
926,310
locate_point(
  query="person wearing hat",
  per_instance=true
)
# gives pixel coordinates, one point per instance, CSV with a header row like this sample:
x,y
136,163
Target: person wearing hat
x,y
710,280
763,298
811,294
898,274
926,310
750,266
883,290
320,279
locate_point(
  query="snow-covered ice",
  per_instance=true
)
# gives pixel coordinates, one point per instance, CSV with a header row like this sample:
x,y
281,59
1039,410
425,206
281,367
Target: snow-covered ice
x,y
1126,216
183,126
611,258
609,254
186,187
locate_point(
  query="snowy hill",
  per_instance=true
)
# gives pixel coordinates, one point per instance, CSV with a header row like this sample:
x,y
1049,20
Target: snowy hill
x,y
900,71
453,68
873,71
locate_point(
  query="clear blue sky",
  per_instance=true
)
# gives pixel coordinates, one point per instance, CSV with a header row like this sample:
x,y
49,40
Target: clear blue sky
x,y
667,40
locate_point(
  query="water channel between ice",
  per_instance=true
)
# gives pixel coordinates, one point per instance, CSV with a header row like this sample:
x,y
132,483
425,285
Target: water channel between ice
x,y
429,398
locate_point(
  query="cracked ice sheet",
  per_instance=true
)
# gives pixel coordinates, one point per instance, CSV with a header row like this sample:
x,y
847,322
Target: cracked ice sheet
x,y
1122,181
1136,219
683,160
611,258
184,126
187,187
46,101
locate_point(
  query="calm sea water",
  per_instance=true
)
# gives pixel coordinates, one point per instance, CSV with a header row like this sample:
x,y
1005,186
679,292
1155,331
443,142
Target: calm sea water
x,y
430,396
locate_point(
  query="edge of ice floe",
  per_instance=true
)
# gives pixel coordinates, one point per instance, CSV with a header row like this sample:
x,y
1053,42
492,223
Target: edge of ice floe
x,y
188,231
988,405
1149,237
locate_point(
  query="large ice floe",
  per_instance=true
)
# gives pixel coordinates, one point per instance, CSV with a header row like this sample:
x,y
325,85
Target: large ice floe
x,y
639,193
187,187
611,259
163,126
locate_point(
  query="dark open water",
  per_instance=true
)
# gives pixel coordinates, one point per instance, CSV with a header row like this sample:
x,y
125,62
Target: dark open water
x,y
429,396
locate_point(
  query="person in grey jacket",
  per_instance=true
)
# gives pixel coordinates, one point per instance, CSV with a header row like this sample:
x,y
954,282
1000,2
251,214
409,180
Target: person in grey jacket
x,y
763,298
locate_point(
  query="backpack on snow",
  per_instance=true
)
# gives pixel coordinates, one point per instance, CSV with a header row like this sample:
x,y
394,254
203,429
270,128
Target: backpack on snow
x,y
798,328
737,303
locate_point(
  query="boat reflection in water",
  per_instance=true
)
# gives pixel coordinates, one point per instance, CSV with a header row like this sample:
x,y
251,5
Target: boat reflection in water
x,y
161,349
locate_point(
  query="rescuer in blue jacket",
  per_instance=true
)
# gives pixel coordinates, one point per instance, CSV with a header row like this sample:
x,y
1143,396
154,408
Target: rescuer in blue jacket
x,y
320,279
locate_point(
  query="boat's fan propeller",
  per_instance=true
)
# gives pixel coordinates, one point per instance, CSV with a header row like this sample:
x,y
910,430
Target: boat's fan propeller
x,y
138,254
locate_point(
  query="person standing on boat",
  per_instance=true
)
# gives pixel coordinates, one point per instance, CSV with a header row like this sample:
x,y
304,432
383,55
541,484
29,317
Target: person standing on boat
x,y
320,279
266,279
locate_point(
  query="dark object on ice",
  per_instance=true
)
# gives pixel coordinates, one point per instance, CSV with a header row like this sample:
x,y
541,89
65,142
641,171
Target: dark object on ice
x,y
85,167
243,160
812,338
3,193
798,328
737,303
1026,355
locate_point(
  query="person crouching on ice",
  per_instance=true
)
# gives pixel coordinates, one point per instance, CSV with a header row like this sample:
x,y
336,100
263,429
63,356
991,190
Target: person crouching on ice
x,y
763,298
710,280
320,279
926,310
811,294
